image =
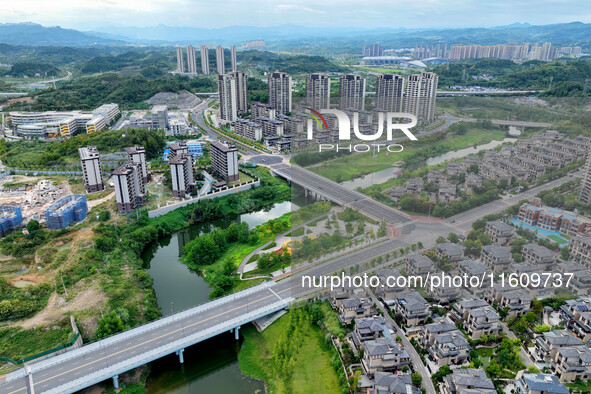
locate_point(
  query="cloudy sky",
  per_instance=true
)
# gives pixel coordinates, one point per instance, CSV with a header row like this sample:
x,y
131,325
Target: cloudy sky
x,y
90,14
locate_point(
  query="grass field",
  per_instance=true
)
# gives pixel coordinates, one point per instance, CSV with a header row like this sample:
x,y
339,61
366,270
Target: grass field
x,y
558,239
312,370
17,343
496,108
354,166
331,321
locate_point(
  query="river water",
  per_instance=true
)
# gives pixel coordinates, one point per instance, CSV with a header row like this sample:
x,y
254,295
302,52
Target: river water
x,y
211,366
382,176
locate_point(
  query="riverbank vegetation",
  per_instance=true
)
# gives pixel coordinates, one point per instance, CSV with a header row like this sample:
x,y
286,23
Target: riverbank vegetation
x,y
293,355
459,136
95,270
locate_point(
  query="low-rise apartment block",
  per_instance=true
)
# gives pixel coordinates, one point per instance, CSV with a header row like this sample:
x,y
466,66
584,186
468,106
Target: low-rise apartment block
x,y
580,250
577,316
572,363
500,232
449,348
549,342
381,355
387,382
418,264
539,255
518,302
350,309
496,258
453,252
412,307
368,329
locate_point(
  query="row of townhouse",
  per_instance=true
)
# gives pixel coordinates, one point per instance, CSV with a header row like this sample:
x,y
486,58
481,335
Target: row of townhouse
x,y
381,353
383,358
516,300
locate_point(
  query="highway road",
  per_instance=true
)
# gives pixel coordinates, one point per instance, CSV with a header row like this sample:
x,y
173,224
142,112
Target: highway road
x,y
51,376
340,194
463,221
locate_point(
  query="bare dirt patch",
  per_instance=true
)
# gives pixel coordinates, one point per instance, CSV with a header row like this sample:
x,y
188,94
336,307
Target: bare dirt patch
x,y
57,307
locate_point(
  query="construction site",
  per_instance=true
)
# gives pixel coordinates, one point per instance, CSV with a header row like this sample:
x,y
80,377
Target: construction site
x,y
32,195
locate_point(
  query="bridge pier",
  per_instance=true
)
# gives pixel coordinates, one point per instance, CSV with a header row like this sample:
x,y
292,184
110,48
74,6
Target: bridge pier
x,y
180,354
116,381
236,333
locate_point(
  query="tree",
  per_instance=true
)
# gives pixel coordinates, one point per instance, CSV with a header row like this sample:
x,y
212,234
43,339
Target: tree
x,y
542,328
104,216
537,306
417,379
109,324
565,253
33,226
493,369
453,237
440,240
349,227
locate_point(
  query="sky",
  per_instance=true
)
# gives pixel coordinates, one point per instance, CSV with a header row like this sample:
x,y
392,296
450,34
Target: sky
x,y
91,14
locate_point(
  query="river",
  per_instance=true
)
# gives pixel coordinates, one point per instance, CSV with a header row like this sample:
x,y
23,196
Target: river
x,y
382,176
178,287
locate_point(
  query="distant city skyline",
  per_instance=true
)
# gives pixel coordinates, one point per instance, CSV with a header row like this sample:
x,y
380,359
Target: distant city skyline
x,y
343,13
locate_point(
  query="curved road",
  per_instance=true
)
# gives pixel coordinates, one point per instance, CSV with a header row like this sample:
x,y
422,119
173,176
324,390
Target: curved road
x,y
197,114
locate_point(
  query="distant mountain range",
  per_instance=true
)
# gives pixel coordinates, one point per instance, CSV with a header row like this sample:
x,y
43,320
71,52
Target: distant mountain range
x,y
32,34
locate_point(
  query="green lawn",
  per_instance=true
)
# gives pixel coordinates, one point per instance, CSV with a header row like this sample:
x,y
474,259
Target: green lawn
x,y
582,387
331,321
297,233
558,239
353,166
312,370
484,352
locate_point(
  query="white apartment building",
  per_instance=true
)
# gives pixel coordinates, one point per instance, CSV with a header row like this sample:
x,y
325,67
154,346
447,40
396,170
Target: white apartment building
x,y
232,88
420,96
180,62
318,91
181,171
389,92
91,169
130,191
352,94
280,91
191,60
204,60
137,155
219,56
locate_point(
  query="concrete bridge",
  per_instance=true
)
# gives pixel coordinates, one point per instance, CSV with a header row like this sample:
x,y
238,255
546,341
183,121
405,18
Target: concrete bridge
x,y
109,357
338,194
